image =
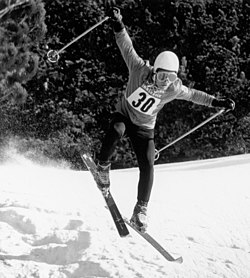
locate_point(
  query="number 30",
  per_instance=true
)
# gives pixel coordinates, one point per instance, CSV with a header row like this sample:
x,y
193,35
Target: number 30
x,y
144,103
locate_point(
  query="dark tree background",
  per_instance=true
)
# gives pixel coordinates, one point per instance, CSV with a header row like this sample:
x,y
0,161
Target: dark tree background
x,y
69,103
22,28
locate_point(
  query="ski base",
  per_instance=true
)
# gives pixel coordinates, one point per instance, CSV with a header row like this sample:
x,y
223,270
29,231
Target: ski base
x,y
155,244
111,205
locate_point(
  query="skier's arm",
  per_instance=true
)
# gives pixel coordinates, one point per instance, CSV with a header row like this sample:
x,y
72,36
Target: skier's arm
x,y
124,41
203,98
196,96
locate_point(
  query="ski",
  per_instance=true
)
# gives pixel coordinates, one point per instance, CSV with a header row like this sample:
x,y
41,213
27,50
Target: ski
x,y
155,244
121,222
111,205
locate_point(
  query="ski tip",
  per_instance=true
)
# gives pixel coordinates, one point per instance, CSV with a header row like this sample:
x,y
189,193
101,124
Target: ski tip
x,y
179,260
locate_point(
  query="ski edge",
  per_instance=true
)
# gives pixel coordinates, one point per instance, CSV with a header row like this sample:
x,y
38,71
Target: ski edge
x,y
155,244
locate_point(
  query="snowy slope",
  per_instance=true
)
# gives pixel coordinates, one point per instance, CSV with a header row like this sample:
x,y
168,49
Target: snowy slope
x,y
53,222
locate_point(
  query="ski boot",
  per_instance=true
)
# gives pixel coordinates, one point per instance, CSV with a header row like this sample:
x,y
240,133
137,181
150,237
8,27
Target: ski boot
x,y
139,218
102,179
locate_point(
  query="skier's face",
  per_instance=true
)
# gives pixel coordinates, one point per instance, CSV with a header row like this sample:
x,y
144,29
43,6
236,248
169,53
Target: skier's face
x,y
164,78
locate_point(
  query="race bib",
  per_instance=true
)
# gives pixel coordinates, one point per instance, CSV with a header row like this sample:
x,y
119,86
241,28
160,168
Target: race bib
x,y
143,102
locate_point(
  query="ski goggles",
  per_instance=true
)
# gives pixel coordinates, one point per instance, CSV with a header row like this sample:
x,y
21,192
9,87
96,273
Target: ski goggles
x,y
164,76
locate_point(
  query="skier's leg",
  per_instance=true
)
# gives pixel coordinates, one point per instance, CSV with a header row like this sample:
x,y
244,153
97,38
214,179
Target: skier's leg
x,y
114,134
145,150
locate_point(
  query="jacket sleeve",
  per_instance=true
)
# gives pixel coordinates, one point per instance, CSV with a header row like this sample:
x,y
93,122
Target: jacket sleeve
x,y
131,58
196,96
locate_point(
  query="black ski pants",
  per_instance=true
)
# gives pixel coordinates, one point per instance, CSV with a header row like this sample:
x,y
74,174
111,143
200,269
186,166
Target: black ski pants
x,y
142,140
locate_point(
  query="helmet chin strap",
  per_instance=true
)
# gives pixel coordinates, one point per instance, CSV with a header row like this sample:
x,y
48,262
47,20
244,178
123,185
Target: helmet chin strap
x,y
154,77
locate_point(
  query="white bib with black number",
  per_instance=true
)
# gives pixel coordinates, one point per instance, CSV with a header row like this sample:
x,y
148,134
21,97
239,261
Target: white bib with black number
x,y
143,102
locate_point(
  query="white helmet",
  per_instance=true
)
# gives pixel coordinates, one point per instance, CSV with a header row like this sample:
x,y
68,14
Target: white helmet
x,y
167,60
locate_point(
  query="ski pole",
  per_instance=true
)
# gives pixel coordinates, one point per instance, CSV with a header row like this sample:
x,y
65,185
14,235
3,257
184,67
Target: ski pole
x,y
53,55
157,152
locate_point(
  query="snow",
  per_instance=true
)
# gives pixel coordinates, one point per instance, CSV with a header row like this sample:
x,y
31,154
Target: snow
x,y
53,223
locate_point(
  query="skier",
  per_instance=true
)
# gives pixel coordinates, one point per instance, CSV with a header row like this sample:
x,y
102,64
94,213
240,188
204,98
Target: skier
x,y
148,90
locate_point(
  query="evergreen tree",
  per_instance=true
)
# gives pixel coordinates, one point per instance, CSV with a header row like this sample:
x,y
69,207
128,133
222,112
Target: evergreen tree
x,y
22,27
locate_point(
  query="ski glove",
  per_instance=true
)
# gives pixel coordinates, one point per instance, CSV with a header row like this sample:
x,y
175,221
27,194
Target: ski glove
x,y
116,19
226,103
